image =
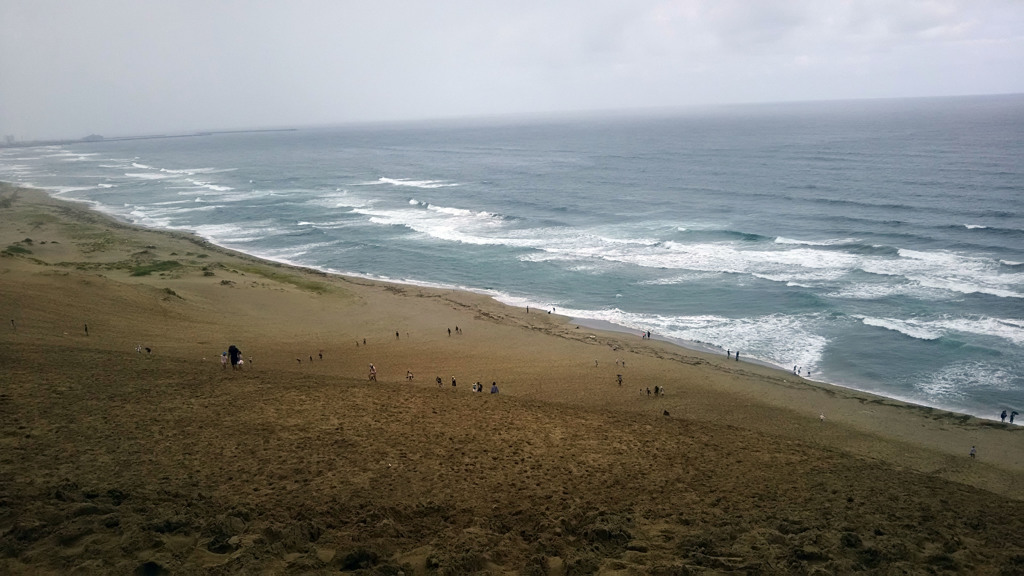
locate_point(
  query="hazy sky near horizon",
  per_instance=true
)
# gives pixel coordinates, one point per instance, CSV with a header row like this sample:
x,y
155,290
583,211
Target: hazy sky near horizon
x,y
119,67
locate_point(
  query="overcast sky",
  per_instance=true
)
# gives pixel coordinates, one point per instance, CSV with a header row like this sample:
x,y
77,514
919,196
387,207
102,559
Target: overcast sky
x,y
75,67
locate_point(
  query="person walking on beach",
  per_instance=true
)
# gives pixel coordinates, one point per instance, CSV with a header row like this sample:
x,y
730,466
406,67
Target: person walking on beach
x,y
737,355
86,329
619,378
373,373
1012,416
224,360
1002,417
453,383
494,387
234,355
974,451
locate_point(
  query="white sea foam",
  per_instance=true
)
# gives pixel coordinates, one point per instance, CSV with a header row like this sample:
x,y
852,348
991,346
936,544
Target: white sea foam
x,y
237,233
880,290
441,222
949,271
294,254
974,226
148,175
777,339
684,278
956,381
912,328
417,183
67,154
210,185
339,199
60,190
194,171
933,329
1005,328
831,242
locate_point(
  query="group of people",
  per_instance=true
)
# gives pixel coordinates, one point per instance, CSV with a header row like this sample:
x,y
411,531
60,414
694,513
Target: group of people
x,y
1013,414
478,387
658,391
233,355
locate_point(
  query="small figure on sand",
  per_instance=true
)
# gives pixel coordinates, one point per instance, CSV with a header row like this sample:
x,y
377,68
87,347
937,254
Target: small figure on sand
x,y
234,355
86,329
438,381
618,377
494,387
1002,417
373,373
737,355
1012,416
974,451
224,360
453,382
408,374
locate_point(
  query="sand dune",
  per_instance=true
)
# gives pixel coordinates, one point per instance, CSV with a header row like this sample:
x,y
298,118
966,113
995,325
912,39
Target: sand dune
x,y
116,460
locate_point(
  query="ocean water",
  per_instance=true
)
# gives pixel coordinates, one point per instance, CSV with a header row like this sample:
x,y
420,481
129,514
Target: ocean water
x,y
878,245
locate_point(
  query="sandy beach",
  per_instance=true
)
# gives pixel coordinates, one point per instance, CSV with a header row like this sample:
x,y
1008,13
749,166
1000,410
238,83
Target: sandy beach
x,y
128,448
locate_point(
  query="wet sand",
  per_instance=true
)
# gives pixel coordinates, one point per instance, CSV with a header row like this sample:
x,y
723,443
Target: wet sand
x,y
119,461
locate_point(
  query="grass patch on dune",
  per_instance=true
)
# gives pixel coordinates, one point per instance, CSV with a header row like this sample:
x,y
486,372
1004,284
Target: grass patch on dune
x,y
16,249
161,266
294,280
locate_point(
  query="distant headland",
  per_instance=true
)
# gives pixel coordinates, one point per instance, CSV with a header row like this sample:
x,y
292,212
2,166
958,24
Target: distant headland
x,y
11,142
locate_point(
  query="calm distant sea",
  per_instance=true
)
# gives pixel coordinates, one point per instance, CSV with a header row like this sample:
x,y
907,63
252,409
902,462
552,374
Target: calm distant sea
x,y
878,245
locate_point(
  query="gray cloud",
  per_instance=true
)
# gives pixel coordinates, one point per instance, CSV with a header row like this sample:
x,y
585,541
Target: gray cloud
x,y
70,68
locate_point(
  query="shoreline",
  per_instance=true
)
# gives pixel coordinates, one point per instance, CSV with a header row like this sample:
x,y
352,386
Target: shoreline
x,y
595,324
566,327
